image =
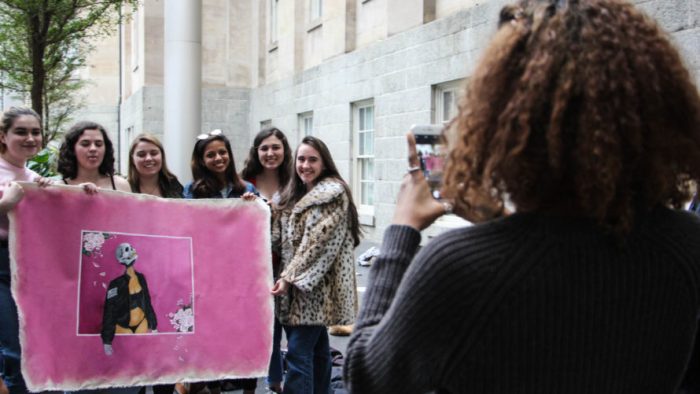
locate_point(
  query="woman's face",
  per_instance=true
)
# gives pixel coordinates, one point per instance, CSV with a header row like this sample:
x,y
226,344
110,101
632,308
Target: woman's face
x,y
90,149
271,153
147,159
216,157
309,164
23,139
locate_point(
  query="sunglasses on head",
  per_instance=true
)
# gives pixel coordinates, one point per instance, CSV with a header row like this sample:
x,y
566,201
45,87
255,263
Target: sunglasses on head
x,y
212,133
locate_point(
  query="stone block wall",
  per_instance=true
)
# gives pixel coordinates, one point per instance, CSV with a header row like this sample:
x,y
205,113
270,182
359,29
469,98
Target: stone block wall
x,y
398,74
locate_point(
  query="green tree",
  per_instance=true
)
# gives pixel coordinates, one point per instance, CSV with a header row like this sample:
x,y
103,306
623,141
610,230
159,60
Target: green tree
x,y
43,44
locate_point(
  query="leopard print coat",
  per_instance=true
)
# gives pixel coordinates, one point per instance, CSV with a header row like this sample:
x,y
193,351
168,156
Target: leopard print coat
x,y
316,247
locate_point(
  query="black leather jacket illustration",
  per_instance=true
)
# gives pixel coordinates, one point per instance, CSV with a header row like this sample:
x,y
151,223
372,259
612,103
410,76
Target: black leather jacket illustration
x,y
118,305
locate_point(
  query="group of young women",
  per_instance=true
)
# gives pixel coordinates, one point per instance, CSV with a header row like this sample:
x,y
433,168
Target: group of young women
x,y
314,231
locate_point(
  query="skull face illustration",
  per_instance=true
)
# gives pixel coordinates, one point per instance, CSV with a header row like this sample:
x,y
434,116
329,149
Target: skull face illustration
x,y
126,254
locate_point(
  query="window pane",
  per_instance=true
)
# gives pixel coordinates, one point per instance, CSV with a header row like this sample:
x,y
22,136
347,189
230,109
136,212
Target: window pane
x,y
360,144
308,125
369,117
447,105
368,170
367,193
361,125
369,143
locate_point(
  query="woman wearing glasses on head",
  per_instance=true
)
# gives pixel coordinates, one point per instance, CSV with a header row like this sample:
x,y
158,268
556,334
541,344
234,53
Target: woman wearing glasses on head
x,y
214,172
214,176
86,158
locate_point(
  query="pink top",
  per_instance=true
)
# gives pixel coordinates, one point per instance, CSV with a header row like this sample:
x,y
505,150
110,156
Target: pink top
x,y
8,173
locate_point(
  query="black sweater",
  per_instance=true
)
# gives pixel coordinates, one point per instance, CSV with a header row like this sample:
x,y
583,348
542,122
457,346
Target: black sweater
x,y
531,304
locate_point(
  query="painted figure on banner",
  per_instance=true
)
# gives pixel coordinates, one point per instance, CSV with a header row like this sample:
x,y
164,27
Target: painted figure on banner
x,y
128,308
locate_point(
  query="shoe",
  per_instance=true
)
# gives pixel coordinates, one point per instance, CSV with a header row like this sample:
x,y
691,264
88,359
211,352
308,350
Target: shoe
x,y
274,389
341,331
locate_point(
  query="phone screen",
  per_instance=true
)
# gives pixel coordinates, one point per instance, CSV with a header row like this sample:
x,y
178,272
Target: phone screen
x,y
431,152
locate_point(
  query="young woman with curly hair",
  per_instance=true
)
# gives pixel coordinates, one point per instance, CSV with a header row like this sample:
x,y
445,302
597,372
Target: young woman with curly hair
x,y
86,158
582,115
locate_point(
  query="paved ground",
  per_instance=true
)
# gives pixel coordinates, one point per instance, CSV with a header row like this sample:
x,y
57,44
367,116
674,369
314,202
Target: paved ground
x,y
337,342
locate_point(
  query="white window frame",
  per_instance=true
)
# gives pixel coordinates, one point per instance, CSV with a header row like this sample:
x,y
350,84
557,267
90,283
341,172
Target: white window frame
x,y
455,89
365,210
273,23
126,137
135,40
306,124
315,10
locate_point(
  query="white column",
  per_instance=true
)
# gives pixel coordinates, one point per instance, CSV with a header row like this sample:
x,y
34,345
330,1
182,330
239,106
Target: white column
x,y
182,90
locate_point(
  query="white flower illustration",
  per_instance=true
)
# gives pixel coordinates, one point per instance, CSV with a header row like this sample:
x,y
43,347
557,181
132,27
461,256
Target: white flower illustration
x,y
183,319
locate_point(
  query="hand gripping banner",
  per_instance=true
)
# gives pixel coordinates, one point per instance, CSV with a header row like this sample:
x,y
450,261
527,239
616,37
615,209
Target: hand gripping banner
x,y
120,289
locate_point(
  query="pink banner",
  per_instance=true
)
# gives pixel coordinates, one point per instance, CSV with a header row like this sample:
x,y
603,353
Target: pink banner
x,y
175,290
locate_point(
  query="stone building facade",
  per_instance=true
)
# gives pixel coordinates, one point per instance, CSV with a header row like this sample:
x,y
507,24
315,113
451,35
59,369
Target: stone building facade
x,y
356,73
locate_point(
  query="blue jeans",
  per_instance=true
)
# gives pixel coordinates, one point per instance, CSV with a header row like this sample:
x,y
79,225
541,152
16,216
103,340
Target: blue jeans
x,y
9,330
276,371
308,359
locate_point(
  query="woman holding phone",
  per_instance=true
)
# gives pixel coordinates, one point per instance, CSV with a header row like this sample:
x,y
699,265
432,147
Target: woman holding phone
x,y
582,115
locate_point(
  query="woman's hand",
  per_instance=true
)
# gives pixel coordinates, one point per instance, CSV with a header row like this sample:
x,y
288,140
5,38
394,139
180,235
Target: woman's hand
x,y
11,196
89,188
44,182
248,196
280,287
415,205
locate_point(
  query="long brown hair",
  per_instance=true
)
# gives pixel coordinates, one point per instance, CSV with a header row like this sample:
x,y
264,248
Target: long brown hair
x,y
577,106
296,189
205,183
167,182
253,166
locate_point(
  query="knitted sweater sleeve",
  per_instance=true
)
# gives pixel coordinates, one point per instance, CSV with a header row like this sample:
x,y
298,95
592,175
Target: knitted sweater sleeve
x,y
392,348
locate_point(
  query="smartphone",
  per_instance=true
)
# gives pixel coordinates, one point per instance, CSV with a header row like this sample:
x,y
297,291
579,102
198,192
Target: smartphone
x,y
430,144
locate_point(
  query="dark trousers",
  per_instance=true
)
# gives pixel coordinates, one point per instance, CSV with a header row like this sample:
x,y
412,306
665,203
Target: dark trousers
x,y
9,329
308,360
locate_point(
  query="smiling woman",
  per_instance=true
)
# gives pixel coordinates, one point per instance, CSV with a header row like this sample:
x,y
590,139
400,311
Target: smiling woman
x,y
148,171
213,169
20,139
86,158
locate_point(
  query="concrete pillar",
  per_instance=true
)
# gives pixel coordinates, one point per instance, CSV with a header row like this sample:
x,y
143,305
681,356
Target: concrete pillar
x,y
182,80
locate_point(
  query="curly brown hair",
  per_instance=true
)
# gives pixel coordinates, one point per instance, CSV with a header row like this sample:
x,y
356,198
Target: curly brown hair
x,y
579,107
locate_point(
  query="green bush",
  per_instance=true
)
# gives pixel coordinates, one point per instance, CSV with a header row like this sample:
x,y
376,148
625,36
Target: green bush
x,y
44,163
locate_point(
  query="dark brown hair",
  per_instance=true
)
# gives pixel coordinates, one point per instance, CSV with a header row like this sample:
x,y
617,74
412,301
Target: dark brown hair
x,y
296,189
205,184
582,107
167,182
68,162
253,167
